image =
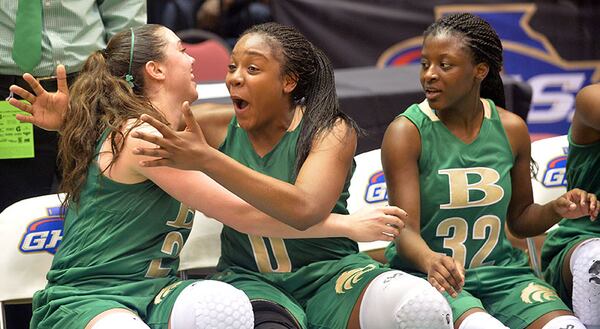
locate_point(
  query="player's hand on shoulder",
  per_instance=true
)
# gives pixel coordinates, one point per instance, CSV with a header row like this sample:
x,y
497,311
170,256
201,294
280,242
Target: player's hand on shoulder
x,y
178,149
446,274
577,203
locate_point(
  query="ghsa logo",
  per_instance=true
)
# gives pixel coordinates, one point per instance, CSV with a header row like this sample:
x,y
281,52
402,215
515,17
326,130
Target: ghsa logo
x,y
555,174
528,56
376,189
44,234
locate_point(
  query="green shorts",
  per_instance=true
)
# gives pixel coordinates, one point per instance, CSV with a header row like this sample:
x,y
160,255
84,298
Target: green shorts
x,y
512,294
319,296
556,247
71,307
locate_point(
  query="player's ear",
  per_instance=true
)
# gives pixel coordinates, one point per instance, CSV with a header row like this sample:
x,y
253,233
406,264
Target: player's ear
x,y
481,71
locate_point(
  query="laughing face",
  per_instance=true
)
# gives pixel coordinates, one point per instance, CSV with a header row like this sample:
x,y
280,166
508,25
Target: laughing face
x,y
179,77
259,92
448,74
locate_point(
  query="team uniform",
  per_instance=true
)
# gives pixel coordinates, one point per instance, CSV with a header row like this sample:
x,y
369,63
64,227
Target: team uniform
x,y
120,250
317,280
583,163
465,192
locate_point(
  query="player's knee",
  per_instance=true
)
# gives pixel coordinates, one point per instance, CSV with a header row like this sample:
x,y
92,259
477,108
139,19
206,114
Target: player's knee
x,y
481,320
564,321
399,300
585,267
212,304
119,320
269,315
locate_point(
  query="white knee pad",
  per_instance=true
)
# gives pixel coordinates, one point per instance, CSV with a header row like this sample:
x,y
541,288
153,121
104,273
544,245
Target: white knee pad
x,y
399,300
481,320
585,267
120,320
564,321
212,304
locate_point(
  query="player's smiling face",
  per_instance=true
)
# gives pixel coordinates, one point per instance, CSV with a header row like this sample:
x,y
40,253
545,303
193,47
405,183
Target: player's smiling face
x,y
179,73
448,73
259,91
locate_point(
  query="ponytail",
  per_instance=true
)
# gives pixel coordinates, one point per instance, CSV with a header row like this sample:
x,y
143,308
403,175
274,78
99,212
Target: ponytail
x,y
102,100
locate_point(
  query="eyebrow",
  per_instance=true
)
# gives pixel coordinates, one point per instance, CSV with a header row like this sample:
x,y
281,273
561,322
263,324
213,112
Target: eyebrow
x,y
252,53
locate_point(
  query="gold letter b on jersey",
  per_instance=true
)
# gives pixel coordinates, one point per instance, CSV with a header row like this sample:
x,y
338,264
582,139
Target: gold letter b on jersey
x,y
459,187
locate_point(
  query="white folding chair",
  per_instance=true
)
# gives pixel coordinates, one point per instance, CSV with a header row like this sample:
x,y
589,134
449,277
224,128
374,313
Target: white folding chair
x,y
550,182
367,187
202,249
30,231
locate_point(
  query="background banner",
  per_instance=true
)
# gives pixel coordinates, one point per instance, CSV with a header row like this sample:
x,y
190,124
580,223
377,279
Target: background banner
x,y
554,46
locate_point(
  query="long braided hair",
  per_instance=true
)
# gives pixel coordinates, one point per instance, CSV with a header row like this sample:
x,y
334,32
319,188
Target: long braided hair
x,y
485,45
315,89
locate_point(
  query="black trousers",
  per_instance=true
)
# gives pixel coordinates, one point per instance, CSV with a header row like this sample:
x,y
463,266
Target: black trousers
x,y
25,178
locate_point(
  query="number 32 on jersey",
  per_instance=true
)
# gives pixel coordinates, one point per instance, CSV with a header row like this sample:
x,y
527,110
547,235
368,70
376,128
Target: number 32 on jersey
x,y
455,230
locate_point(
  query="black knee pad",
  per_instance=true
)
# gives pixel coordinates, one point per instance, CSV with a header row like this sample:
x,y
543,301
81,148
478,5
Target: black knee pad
x,y
268,315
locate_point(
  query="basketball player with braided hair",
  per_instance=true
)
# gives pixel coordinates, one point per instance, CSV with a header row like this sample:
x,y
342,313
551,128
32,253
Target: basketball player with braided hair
x,y
459,164
125,224
571,252
292,151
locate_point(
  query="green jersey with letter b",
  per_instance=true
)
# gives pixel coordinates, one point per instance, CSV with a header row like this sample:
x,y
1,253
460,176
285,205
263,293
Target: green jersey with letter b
x,y
465,191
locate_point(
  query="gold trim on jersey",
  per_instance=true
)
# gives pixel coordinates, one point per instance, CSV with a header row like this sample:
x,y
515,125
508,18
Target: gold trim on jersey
x,y
165,291
535,293
283,263
428,111
348,279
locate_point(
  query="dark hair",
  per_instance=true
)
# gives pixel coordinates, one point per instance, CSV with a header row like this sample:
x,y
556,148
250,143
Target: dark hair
x,y
102,100
485,45
315,89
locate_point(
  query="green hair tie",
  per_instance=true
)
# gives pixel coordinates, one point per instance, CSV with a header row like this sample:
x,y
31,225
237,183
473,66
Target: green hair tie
x,y
128,76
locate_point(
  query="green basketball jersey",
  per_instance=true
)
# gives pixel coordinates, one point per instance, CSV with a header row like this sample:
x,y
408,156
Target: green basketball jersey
x,y
583,171
465,190
121,242
264,254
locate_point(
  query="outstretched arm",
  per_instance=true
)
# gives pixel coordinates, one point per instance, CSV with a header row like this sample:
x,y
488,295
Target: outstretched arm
x,y
200,192
47,109
299,205
400,152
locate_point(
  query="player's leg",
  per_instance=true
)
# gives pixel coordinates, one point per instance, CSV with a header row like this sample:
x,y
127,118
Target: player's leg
x,y
273,308
557,320
519,299
211,304
467,310
200,304
581,276
478,318
400,300
361,292
118,318
270,315
71,308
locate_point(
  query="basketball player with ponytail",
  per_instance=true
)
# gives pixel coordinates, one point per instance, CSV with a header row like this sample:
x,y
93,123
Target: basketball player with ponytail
x,y
459,164
126,224
289,151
